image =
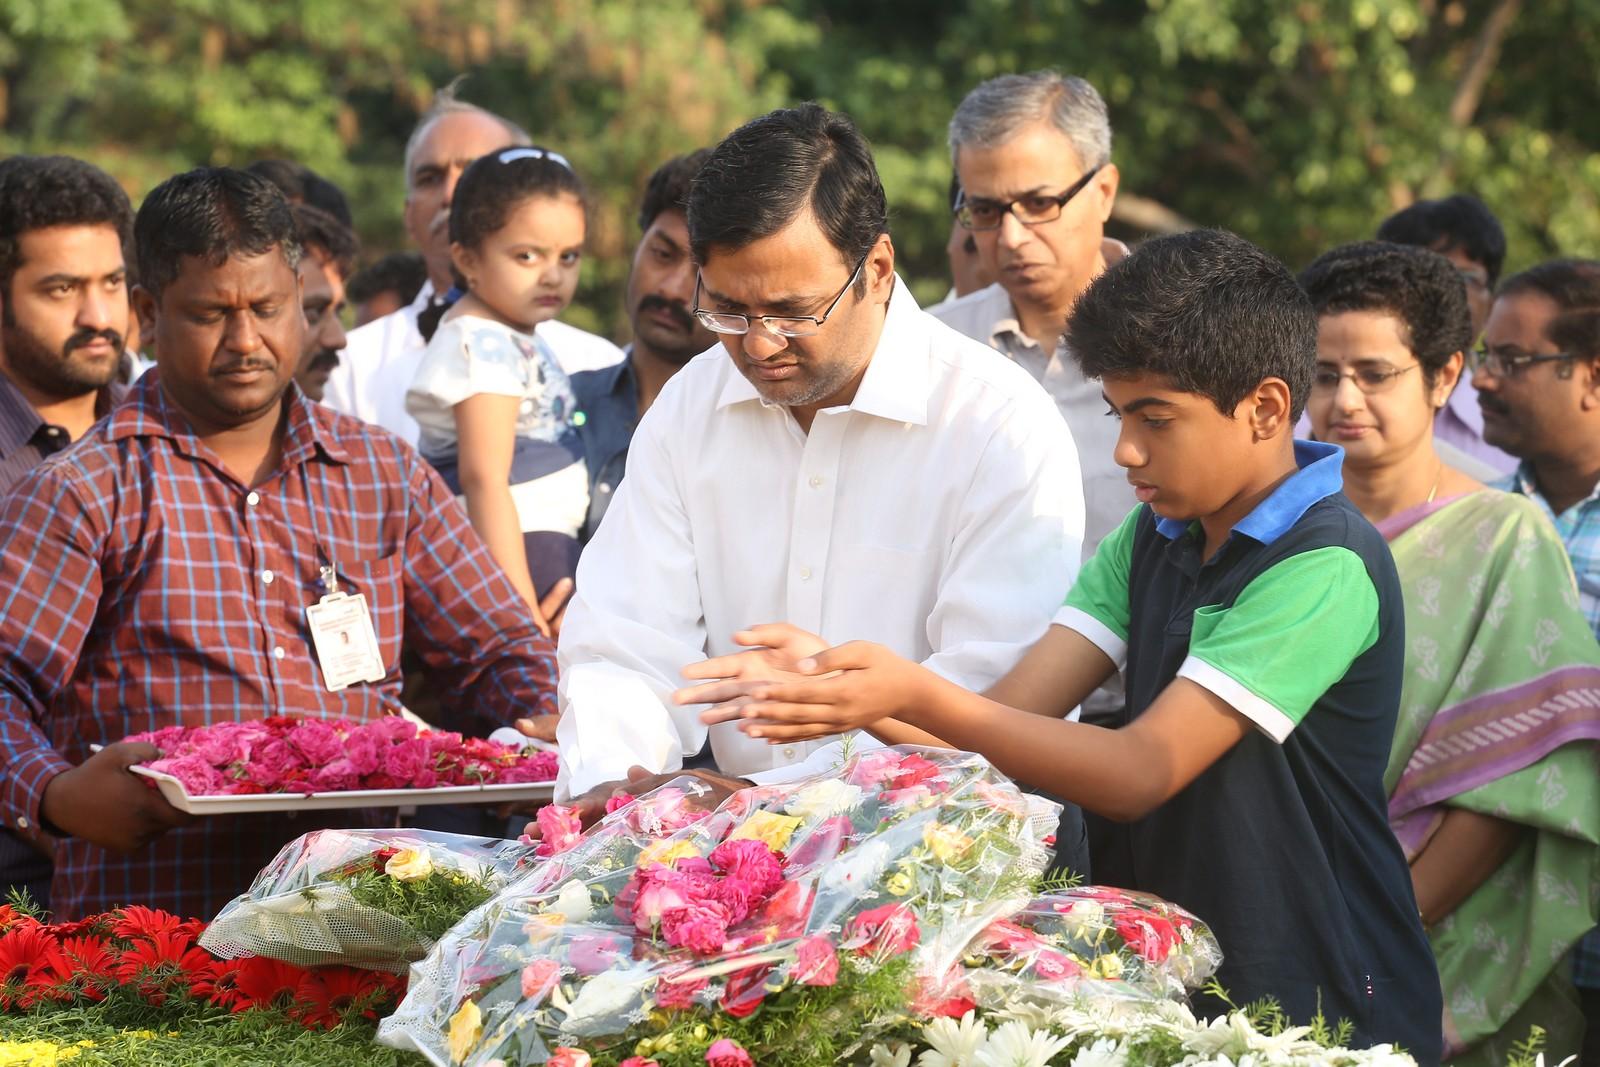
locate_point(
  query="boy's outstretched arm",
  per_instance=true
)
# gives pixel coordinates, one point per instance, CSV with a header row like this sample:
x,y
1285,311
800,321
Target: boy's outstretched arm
x,y
1120,774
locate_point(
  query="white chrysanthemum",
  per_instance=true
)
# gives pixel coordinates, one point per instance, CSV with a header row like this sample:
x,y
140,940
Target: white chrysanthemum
x,y
1015,1045
1234,1036
1103,1053
824,799
899,1056
951,1043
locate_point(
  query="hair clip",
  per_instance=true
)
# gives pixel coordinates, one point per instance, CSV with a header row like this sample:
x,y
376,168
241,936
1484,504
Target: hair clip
x,y
511,155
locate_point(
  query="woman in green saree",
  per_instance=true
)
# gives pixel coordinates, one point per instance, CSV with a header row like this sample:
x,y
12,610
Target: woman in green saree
x,y
1493,781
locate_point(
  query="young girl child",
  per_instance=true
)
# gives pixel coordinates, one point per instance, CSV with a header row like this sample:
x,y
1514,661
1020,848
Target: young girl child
x,y
495,409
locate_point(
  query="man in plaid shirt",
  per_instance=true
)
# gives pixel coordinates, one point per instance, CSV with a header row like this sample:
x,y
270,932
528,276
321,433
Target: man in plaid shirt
x,y
159,571
1538,382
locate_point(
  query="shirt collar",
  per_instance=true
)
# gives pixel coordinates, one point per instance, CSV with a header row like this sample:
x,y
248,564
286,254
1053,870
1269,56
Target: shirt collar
x,y
1524,482
146,412
1319,477
895,386
18,420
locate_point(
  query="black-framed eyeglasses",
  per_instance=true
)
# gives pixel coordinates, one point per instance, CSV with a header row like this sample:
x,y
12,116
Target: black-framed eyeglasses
x,y
1031,210
1370,380
780,325
1502,365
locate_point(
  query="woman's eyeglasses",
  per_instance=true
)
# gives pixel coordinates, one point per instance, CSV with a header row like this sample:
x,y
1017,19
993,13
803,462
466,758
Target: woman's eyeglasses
x,y
1368,379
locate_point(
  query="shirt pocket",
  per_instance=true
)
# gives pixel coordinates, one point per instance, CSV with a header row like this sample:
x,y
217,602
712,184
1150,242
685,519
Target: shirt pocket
x,y
382,582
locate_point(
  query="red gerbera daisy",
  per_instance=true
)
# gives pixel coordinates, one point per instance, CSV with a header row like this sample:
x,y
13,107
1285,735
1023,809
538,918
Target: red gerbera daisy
x,y
329,995
264,983
164,964
31,966
220,985
93,965
136,920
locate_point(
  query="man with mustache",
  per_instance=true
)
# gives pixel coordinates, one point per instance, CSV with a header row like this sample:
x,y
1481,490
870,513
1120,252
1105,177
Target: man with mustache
x,y
329,255
381,358
666,334
175,568
1538,382
64,229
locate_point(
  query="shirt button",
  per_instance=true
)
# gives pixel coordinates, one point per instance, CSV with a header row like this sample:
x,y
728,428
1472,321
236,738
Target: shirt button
x,y
266,577
527,406
253,498
277,653
816,482
789,752
805,574
22,823
54,431
603,488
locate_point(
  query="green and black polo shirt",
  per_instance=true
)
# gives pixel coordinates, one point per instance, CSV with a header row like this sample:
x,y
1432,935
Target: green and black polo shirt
x,y
1283,845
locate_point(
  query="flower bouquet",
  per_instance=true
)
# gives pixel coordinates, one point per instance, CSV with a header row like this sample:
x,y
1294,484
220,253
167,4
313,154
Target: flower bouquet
x,y
779,923
1090,941
285,762
370,898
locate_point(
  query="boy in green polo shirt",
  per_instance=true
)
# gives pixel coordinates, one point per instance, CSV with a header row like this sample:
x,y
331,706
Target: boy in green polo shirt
x,y
1256,617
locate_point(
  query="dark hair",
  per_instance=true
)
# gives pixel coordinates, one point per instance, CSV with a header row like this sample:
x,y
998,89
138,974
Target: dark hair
x,y
318,229
1206,309
1456,222
1577,332
302,185
1571,283
1416,286
493,186
765,173
37,192
668,187
213,213
402,273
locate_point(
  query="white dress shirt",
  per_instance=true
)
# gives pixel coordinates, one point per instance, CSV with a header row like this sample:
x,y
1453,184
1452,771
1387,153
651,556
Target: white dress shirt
x,y
988,316
380,360
940,513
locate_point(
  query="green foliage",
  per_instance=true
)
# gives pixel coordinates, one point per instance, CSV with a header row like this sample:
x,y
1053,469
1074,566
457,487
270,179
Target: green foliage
x,y
1527,1052
250,1039
429,905
1298,123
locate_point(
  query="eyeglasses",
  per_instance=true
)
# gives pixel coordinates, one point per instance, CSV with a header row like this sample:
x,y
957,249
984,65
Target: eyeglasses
x,y
780,325
1474,280
1369,380
1505,365
1031,210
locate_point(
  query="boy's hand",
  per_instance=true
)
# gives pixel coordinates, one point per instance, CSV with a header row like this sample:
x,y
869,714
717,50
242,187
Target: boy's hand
x,y
868,683
775,649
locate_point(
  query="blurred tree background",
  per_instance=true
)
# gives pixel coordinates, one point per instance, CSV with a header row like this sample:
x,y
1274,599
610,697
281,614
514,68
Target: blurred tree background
x,y
1298,123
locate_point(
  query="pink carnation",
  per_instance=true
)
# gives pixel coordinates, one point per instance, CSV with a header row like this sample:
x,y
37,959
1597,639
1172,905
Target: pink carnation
x,y
618,800
271,761
701,927
569,1057
590,954
745,992
816,963
364,749
393,729
874,767
404,760
1053,966
199,778
317,742
677,996
825,842
560,828
660,889
726,1053
750,861
638,1061
914,770
338,776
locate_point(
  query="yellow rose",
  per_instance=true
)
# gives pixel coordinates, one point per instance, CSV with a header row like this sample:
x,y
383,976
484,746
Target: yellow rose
x,y
1108,966
945,841
408,865
666,853
466,1026
768,827
899,884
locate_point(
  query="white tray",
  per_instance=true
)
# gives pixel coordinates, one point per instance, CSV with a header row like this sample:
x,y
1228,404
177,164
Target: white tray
x,y
179,797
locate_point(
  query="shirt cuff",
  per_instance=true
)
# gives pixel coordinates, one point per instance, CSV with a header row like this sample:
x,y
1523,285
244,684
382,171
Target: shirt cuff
x,y
23,790
1271,721
1099,634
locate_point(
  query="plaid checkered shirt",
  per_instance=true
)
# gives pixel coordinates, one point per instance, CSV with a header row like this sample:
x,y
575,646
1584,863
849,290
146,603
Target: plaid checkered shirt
x,y
1579,527
142,585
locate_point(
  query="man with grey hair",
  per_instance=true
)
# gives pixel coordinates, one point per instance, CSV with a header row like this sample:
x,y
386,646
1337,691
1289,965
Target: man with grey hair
x,y
1033,156
380,359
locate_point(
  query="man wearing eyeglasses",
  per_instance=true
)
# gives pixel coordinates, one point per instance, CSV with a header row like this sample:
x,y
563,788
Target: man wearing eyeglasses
x,y
842,462
1538,382
1033,155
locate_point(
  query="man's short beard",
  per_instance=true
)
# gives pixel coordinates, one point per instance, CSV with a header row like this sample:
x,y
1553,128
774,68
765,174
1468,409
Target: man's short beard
x,y
53,371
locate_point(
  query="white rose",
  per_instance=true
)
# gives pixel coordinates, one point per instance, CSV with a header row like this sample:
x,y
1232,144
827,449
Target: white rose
x,y
408,865
602,1005
824,799
572,903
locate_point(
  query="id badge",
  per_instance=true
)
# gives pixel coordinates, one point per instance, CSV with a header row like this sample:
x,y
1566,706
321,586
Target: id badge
x,y
346,644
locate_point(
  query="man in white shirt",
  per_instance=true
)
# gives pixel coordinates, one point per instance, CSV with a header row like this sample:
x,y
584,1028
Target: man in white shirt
x,y
842,462
1032,153
380,359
